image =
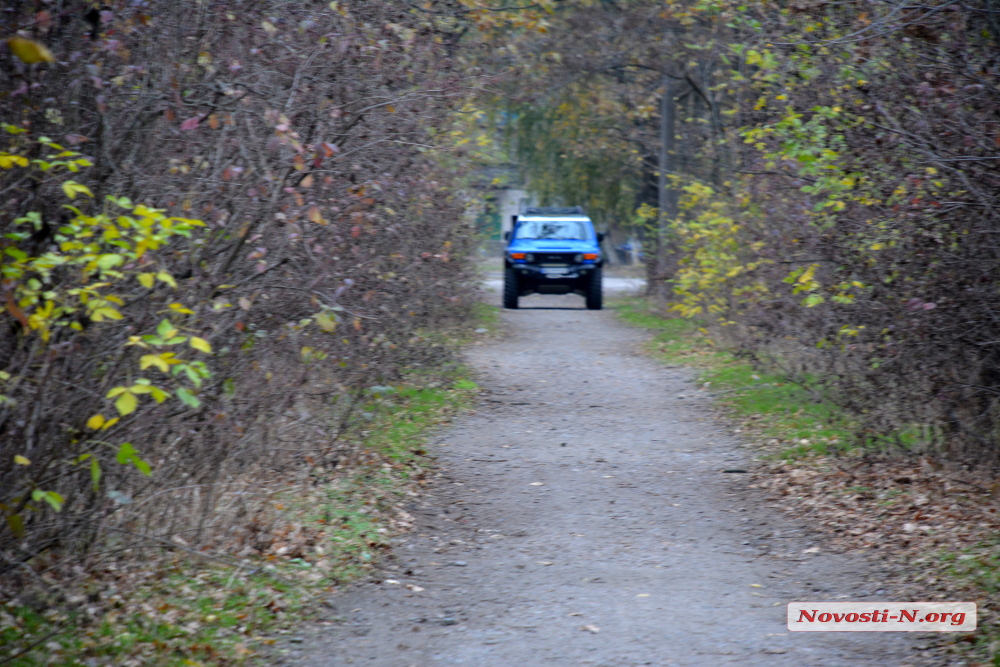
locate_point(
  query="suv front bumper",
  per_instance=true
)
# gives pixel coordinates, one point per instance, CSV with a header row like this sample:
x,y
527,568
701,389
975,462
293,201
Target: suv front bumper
x,y
544,274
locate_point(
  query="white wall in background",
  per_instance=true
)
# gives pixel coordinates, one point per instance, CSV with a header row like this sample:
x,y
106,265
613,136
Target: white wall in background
x,y
511,202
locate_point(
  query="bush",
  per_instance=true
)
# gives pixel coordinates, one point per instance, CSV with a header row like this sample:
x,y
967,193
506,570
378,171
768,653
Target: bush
x,y
220,228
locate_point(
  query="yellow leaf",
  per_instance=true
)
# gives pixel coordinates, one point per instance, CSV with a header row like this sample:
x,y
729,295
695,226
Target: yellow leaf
x,y
111,422
8,160
316,216
126,403
326,322
21,460
72,189
200,344
107,312
153,360
29,51
95,422
147,279
878,246
179,308
808,274
167,278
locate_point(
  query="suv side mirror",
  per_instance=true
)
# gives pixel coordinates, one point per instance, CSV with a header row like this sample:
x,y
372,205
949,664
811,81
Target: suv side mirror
x,y
600,236
506,236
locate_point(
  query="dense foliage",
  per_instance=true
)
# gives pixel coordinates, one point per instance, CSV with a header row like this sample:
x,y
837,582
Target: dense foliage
x,y
836,175
222,226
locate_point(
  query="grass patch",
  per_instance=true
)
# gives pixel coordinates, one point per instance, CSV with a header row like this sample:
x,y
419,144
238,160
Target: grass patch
x,y
184,614
767,404
208,612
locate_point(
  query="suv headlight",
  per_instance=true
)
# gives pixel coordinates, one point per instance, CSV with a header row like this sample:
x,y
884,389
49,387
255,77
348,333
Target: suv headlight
x,y
529,257
577,259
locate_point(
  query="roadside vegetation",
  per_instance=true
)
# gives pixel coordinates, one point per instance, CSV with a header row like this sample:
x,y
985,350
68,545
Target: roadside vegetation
x,y
814,182
236,245
235,251
932,526
205,608
816,192
793,418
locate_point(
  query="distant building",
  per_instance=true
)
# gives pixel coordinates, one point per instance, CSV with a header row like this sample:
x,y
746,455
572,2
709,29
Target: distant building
x,y
510,202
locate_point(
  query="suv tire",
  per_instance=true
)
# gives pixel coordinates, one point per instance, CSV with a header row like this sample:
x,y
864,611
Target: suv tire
x,y
595,293
511,290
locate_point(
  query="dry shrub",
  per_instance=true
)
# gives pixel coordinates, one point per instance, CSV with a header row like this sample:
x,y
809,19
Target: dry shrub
x,y
333,253
900,226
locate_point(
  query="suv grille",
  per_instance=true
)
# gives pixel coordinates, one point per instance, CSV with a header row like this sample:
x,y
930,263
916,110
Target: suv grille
x,y
554,257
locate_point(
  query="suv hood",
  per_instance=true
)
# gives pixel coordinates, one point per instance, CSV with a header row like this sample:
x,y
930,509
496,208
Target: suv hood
x,y
544,245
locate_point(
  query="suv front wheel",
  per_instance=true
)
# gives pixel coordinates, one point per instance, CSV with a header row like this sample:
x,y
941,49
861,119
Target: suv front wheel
x,y
595,293
511,290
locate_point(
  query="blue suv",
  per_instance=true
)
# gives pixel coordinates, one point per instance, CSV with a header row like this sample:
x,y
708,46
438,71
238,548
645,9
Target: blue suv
x,y
553,250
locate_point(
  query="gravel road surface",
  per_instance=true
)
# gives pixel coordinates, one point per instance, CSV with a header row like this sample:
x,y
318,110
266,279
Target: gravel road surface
x,y
585,516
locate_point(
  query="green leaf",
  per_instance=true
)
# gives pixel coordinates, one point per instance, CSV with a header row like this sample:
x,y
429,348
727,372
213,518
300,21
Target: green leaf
x,y
16,524
147,279
18,255
125,452
95,473
192,375
110,261
51,497
128,454
812,300
188,398
165,329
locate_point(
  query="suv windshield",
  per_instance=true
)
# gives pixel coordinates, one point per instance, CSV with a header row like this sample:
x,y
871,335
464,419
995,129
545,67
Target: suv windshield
x,y
559,230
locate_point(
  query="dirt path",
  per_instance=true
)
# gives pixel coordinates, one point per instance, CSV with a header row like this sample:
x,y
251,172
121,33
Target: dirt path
x,y
583,518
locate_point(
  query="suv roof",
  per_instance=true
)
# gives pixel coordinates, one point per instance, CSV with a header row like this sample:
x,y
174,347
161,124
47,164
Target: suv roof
x,y
553,210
